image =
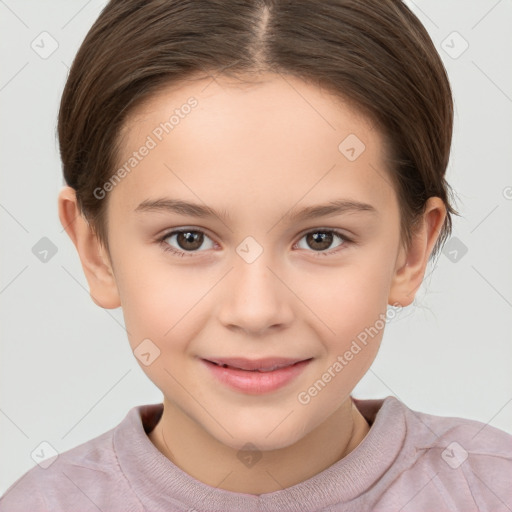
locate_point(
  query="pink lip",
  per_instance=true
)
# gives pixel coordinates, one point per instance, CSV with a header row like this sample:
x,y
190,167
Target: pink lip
x,y
256,376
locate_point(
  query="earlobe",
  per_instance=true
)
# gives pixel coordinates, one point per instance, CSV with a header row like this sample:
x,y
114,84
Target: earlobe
x,y
411,263
93,256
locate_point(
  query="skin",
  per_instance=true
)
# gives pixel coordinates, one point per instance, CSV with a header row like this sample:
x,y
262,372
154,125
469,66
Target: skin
x,y
256,153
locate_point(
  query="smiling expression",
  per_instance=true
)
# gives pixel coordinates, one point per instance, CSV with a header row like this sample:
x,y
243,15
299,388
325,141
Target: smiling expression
x,y
263,225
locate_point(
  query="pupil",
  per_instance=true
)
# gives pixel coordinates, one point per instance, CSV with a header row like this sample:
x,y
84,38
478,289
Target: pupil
x,y
192,240
323,239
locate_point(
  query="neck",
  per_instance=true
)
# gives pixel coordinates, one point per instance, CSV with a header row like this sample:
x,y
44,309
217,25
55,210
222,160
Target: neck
x,y
204,458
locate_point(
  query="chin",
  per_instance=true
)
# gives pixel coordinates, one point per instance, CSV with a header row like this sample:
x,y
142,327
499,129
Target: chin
x,y
259,442
262,436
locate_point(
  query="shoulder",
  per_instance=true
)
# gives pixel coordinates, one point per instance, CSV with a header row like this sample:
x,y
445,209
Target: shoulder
x,y
468,464
458,438
83,478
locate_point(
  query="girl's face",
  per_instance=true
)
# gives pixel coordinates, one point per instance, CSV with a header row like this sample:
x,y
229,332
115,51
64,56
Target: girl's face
x,y
265,275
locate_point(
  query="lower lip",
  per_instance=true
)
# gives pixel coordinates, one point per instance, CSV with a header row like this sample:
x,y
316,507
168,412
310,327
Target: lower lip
x,y
255,382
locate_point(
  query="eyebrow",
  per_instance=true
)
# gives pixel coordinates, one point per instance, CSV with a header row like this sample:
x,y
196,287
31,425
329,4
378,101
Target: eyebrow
x,y
177,206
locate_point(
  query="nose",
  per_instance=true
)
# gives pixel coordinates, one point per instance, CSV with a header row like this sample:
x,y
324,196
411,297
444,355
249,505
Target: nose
x,y
255,299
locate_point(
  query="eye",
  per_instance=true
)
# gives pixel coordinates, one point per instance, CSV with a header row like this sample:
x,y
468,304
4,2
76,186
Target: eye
x,y
188,241
322,239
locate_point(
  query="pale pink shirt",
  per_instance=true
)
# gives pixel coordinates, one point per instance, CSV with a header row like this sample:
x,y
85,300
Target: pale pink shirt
x,y
409,461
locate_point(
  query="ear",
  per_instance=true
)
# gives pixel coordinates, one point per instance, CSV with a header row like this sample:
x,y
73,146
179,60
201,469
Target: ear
x,y
411,263
94,257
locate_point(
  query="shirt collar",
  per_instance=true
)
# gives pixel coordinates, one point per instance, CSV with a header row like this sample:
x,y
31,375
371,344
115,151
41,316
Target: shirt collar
x,y
160,484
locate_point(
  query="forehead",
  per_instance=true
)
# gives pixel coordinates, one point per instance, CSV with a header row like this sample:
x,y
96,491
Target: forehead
x,y
270,142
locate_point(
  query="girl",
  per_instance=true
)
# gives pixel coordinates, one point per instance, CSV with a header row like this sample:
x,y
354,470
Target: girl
x,y
260,186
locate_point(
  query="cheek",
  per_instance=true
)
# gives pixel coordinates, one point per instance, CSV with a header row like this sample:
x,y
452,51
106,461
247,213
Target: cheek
x,y
349,298
157,302
163,306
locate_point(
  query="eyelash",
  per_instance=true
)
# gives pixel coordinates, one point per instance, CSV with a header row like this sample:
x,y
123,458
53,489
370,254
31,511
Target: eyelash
x,y
168,248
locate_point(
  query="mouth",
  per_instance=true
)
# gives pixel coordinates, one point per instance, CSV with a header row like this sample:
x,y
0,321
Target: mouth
x,y
255,376
256,365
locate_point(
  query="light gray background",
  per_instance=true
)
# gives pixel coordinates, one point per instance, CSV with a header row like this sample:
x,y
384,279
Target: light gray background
x,y
67,372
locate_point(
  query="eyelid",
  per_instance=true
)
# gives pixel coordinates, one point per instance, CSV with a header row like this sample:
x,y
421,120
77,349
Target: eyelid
x,y
173,231
329,252
343,233
182,229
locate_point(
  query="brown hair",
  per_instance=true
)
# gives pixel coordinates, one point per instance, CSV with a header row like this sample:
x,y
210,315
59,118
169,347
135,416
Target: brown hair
x,y
373,53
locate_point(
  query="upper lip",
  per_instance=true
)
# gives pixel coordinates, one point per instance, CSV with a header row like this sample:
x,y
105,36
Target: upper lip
x,y
263,364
